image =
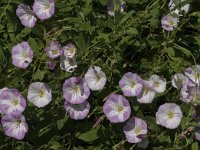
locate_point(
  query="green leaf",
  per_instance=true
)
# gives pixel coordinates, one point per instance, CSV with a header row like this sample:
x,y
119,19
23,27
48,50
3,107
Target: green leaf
x,y
39,74
88,136
170,51
195,146
60,123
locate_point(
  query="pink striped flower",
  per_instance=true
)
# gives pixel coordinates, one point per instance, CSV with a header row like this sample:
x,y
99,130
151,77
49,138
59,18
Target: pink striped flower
x,y
131,84
147,94
11,101
54,49
26,16
77,111
22,55
169,115
39,94
14,125
44,9
135,130
75,90
116,108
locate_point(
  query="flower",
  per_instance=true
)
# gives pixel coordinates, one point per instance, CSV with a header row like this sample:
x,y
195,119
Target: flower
x,y
195,92
131,84
179,80
158,83
44,9
3,89
193,73
51,64
147,94
173,4
169,23
22,55
14,125
39,94
68,64
77,111
135,130
75,90
116,108
26,15
12,101
54,49
111,8
169,115
95,78
69,50
186,93
197,132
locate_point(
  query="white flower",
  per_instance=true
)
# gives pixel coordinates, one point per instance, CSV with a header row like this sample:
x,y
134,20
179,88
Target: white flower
x,y
95,78
147,94
69,50
157,83
39,94
174,3
169,115
179,80
68,64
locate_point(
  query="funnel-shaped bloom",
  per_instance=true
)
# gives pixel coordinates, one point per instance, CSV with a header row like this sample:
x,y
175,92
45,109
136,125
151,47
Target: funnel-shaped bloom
x,y
12,101
116,108
26,15
173,6
158,83
54,49
22,55
14,125
75,90
68,64
169,115
77,111
131,84
193,73
169,23
69,50
135,130
147,94
44,9
39,94
179,80
95,78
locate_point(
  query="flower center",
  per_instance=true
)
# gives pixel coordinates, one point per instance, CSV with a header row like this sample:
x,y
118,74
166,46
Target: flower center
x,y
71,50
18,122
98,77
197,77
180,81
138,130
47,5
156,83
146,90
170,115
54,51
197,98
120,108
25,55
171,23
132,84
15,102
76,89
41,93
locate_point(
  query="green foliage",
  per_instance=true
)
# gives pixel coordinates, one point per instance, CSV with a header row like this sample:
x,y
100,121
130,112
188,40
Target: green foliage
x,y
130,41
